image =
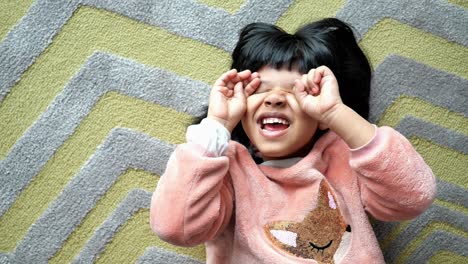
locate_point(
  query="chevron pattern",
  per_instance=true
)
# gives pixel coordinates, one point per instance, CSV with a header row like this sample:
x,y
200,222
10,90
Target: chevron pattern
x,y
95,94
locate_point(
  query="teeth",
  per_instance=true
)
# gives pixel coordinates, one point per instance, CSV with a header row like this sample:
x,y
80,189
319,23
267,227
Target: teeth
x,y
273,120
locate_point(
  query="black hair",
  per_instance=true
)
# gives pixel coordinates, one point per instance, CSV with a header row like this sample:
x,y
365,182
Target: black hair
x,y
329,42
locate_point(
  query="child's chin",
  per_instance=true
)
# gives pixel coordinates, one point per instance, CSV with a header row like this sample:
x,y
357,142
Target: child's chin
x,y
273,154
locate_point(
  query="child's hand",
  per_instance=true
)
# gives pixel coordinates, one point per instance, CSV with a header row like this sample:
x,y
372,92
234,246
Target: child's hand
x,y
318,95
228,97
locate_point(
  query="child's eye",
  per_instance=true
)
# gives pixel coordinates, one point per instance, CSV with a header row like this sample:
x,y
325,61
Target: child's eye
x,y
261,90
266,89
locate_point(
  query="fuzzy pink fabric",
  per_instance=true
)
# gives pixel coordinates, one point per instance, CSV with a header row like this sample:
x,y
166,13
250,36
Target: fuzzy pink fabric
x,y
225,202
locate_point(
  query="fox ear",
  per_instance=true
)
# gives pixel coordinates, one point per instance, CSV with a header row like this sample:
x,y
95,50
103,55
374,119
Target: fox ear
x,y
286,237
331,201
326,197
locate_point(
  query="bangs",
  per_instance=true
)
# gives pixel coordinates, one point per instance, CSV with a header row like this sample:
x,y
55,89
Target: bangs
x,y
268,45
279,52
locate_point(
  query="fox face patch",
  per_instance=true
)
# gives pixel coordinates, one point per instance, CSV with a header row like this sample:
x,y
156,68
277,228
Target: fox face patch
x,y
318,236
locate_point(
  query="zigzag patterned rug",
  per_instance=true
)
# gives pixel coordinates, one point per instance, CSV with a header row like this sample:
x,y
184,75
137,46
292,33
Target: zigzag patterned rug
x,y
95,94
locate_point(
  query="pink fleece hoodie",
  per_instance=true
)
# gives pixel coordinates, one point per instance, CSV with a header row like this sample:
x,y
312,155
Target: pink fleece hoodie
x,y
312,212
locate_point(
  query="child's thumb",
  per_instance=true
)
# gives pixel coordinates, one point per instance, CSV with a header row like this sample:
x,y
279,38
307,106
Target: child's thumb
x,y
239,89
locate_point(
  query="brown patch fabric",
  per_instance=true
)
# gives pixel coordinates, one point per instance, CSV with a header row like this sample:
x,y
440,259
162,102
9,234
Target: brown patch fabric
x,y
318,236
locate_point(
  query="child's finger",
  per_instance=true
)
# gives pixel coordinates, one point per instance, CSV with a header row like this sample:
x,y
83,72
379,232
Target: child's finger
x,y
225,78
305,83
237,77
312,83
300,92
323,72
230,85
222,89
244,75
299,88
254,75
232,79
318,74
252,86
250,78
230,76
239,90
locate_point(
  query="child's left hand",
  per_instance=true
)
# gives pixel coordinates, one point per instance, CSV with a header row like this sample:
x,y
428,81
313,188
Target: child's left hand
x,y
318,95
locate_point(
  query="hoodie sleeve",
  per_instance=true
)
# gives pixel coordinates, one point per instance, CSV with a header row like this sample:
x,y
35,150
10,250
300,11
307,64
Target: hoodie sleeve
x,y
396,184
193,200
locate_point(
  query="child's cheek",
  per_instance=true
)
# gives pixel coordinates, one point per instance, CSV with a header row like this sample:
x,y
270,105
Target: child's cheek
x,y
255,100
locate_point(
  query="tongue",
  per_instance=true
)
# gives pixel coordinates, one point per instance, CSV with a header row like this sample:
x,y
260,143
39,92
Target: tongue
x,y
275,127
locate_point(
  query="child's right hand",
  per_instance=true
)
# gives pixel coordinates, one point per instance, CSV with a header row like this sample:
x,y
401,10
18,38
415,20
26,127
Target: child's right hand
x,y
228,96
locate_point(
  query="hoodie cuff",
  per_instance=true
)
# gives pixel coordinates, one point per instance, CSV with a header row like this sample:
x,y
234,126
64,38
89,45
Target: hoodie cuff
x,y
368,145
211,135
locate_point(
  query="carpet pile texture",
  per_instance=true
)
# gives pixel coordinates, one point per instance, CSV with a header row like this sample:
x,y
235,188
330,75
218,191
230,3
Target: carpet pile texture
x,y
95,94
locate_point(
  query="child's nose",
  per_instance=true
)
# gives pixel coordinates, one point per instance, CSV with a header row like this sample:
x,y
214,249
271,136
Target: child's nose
x,y
275,99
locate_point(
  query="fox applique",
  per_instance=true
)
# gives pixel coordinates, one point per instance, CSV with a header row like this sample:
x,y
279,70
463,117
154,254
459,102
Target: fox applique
x,y
319,236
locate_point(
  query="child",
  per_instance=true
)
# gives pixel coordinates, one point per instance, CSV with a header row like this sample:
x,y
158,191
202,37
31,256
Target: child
x,y
307,201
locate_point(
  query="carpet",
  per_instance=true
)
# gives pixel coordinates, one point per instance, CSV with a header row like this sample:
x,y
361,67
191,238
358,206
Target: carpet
x,y
94,95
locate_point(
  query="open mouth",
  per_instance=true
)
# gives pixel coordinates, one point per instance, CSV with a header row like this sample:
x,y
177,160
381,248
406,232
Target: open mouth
x,y
274,123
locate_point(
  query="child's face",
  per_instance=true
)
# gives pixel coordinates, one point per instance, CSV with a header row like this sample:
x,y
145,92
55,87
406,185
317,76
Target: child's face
x,y
274,121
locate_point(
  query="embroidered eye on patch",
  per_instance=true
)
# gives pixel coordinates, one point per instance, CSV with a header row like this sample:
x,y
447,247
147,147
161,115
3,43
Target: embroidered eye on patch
x,y
321,234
